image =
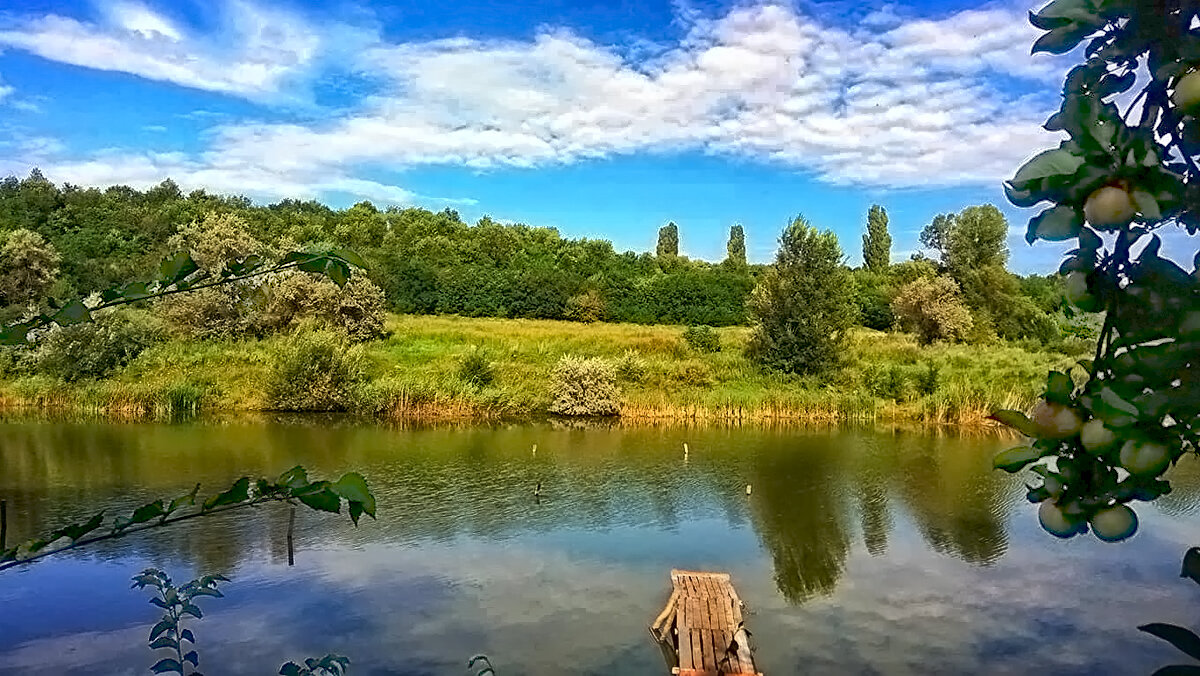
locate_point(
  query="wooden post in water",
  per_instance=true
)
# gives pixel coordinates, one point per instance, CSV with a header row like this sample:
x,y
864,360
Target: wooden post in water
x,y
3,523
291,528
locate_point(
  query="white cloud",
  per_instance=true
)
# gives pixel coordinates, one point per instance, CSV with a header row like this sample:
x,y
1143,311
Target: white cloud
x,y
908,106
257,52
5,91
887,103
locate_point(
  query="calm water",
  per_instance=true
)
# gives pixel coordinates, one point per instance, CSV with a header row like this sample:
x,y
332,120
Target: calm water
x,y
858,552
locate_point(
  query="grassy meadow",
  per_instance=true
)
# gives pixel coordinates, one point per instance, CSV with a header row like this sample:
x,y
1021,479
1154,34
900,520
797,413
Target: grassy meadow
x,y
417,372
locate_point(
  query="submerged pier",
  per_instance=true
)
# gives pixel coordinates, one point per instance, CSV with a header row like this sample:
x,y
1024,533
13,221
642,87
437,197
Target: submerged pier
x,y
701,630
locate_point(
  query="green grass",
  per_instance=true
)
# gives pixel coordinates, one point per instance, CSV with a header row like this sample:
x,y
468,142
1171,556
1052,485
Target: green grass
x,y
416,372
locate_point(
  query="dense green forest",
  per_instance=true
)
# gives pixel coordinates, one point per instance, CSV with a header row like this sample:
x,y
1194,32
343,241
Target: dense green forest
x,y
427,262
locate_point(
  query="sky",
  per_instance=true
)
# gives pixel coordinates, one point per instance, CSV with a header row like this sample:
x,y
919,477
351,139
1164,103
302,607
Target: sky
x,y
604,118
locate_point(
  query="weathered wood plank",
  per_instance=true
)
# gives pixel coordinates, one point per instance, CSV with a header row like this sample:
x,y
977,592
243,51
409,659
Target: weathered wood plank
x,y
704,610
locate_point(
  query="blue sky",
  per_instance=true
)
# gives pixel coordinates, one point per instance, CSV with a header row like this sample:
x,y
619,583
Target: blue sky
x,y
603,119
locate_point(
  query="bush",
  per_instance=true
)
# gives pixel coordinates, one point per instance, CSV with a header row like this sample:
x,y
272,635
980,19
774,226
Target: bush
x,y
928,379
631,367
476,369
218,312
584,387
357,309
695,375
93,349
887,383
315,371
702,339
932,309
585,307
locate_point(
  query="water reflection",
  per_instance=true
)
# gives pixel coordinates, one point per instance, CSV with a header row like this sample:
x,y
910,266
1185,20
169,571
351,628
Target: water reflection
x,y
859,549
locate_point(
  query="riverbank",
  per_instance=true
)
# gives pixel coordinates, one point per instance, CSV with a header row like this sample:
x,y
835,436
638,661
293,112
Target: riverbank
x,y
417,372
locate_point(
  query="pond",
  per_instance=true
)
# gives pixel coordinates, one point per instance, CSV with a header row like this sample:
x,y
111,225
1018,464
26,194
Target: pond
x,y
858,551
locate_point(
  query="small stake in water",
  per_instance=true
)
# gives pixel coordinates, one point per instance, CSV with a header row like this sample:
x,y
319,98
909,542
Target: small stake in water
x,y
3,522
291,527
685,450
535,450
749,489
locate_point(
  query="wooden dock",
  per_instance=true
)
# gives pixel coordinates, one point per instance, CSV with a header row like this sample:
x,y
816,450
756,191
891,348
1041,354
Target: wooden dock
x,y
701,631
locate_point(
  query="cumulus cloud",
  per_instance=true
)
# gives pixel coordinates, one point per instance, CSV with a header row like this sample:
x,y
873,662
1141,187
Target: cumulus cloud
x,y
910,105
255,53
887,102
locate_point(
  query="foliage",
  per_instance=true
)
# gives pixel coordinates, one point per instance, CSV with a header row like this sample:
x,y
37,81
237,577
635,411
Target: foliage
x,y
928,379
1185,640
702,338
1105,437
735,256
94,349
873,296
477,369
631,367
291,486
877,242
315,371
176,602
668,241
28,266
932,309
209,314
583,386
803,306
356,308
485,665
329,665
587,306
217,238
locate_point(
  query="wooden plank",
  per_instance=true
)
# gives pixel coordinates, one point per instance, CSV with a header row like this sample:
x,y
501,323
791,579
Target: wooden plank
x,y
706,652
697,649
685,638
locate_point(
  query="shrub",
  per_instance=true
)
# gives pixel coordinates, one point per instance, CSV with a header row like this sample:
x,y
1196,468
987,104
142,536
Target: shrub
x,y
28,266
93,349
932,309
928,379
702,339
218,312
886,383
315,371
631,367
476,369
695,375
585,307
803,305
584,387
357,309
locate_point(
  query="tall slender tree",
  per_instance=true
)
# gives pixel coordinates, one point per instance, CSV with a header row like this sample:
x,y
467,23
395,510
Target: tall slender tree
x,y
877,241
668,241
736,257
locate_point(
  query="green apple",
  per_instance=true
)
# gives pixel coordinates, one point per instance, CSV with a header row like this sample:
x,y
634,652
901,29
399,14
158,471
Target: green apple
x,y
1095,437
1109,208
1055,521
1078,294
1144,458
1187,92
1115,523
1055,421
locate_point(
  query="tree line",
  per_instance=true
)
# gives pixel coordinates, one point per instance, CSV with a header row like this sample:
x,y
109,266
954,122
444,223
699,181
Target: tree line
x,y
68,240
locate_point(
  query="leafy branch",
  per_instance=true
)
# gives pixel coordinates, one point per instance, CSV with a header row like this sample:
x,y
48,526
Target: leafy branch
x,y
179,273
176,602
291,486
330,665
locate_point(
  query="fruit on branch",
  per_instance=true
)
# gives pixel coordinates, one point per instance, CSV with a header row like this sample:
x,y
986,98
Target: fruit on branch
x,y
1095,437
1055,522
1055,421
1115,523
1144,458
1078,294
1110,207
1187,92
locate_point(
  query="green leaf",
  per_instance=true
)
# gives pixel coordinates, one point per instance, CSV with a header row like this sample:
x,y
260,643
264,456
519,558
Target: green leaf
x,y
1178,670
324,500
76,531
187,635
338,272
1147,205
1015,459
295,477
193,657
356,511
72,313
193,610
162,626
314,264
1059,387
1022,197
164,642
146,512
135,291
1056,162
1183,639
166,665
1016,420
353,487
184,500
1061,40
176,267
350,256
239,492
290,669
1055,224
